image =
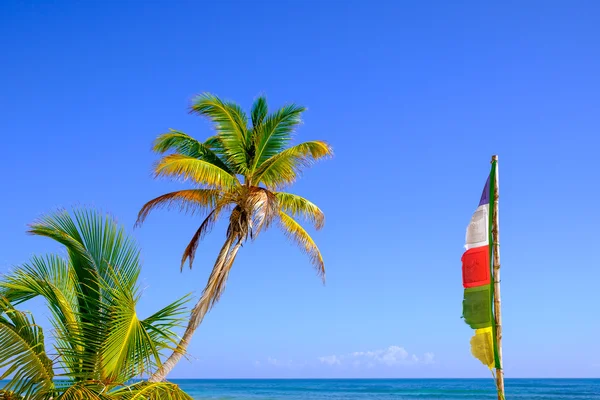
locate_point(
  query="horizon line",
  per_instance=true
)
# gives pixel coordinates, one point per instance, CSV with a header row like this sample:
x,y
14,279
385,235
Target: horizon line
x,y
367,379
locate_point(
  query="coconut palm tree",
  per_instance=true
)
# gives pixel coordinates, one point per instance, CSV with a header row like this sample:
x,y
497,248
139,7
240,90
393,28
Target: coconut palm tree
x,y
237,173
100,344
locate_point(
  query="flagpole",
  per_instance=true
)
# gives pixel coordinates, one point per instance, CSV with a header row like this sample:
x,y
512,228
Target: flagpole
x,y
496,273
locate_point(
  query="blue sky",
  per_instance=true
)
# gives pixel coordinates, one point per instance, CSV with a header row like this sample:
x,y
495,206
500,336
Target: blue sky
x,y
414,97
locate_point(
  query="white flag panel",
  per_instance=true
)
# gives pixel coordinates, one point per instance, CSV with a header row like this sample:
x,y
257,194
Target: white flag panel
x,y
477,231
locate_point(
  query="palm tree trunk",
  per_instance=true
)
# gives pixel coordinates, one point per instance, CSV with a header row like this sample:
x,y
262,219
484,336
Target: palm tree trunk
x,y
212,291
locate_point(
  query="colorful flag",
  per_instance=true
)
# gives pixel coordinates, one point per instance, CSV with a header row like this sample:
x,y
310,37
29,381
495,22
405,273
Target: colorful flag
x,y
478,299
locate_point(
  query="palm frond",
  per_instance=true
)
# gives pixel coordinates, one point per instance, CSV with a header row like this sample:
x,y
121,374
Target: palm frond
x,y
160,325
231,124
283,168
61,227
294,231
295,205
127,350
94,243
275,132
203,173
150,391
104,261
131,346
182,143
49,277
114,252
9,395
52,279
23,355
81,391
100,340
215,144
188,201
205,227
259,111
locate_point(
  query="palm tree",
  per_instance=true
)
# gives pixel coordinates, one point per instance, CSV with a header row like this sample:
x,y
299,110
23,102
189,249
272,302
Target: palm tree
x,y
239,172
100,343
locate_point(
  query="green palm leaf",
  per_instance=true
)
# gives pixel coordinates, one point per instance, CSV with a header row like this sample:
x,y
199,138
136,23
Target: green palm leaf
x,y
283,168
274,134
49,277
230,123
188,201
299,206
126,350
114,252
23,355
99,339
202,172
52,279
9,395
61,227
160,325
151,391
294,231
205,227
81,391
186,145
259,111
132,346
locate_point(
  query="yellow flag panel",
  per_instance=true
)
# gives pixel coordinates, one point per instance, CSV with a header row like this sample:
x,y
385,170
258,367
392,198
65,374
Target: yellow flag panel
x,y
482,346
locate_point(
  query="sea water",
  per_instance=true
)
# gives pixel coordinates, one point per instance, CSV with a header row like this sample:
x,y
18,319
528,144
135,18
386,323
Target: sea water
x,y
368,389
385,389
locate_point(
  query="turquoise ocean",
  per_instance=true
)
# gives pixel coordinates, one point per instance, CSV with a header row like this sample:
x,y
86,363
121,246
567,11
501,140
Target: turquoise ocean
x,y
385,389
410,389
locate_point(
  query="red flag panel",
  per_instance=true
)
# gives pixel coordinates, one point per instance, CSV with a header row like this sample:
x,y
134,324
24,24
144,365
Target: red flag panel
x,y
476,267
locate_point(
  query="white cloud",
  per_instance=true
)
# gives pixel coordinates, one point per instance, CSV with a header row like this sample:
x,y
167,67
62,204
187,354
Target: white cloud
x,y
428,358
390,356
275,362
330,360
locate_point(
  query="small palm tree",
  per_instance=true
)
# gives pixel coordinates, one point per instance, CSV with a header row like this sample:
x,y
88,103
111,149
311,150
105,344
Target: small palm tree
x,y
239,172
100,343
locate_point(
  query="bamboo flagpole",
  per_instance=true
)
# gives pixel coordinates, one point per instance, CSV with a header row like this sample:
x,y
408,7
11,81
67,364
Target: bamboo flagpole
x,y
496,279
481,280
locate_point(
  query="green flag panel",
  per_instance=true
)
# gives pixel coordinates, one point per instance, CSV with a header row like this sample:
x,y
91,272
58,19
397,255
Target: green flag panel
x,y
477,307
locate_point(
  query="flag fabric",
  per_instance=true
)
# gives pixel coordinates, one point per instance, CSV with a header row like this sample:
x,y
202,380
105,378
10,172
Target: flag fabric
x,y
478,299
482,346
